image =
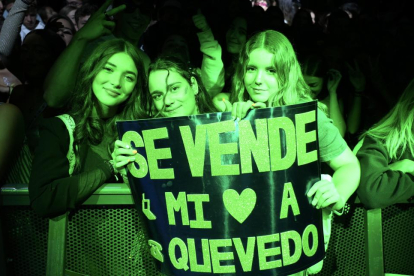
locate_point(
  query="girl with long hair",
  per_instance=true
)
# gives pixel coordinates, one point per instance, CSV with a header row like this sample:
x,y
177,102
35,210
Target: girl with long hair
x,y
73,158
269,75
386,155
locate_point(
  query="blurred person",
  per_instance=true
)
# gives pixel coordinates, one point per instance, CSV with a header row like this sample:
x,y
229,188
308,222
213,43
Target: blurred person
x,y
63,26
83,14
386,155
264,4
30,22
74,3
69,11
46,12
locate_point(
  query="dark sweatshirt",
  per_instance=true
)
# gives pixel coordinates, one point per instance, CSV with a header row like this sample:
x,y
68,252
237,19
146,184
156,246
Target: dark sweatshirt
x,y
380,186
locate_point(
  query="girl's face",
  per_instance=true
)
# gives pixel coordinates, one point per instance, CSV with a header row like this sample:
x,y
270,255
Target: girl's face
x,y
115,82
65,31
236,35
177,98
71,16
315,84
260,77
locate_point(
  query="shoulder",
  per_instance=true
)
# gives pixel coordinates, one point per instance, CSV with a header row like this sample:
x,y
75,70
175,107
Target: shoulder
x,y
372,146
331,143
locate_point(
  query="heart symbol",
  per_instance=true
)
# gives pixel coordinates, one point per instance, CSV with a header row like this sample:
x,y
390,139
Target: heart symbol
x,y
239,206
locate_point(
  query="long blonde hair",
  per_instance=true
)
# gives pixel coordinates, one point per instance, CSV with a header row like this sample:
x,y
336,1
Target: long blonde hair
x,y
293,88
395,130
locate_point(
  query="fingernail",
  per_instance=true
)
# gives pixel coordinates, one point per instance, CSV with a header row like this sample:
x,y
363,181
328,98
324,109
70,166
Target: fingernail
x,y
134,151
224,100
129,160
132,159
254,104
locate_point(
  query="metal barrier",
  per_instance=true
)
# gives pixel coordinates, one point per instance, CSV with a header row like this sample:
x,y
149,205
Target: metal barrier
x,y
113,205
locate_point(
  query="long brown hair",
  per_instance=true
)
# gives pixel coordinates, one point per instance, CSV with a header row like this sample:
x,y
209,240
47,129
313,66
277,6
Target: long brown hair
x,y
92,129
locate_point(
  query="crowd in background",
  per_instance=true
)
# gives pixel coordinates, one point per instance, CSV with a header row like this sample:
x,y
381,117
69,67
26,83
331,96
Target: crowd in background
x,y
354,56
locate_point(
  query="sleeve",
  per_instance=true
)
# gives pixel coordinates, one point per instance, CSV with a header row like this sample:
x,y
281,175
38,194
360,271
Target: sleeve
x,y
331,143
212,68
380,186
51,190
11,27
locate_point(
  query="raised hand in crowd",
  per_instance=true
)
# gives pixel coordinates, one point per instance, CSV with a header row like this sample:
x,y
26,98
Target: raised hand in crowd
x,y
334,78
200,21
61,79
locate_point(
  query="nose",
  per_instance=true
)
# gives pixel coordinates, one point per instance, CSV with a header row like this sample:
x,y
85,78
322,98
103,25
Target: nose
x,y
116,80
169,99
258,78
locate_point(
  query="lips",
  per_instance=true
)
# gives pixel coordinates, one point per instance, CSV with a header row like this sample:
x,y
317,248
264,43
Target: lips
x,y
259,90
171,110
112,93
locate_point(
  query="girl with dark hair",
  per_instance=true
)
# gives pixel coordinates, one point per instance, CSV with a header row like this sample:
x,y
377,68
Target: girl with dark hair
x,y
63,26
175,90
73,158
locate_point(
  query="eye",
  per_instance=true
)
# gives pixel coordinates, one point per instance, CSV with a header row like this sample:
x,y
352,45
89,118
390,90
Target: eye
x,y
272,70
107,69
175,88
157,96
250,69
130,78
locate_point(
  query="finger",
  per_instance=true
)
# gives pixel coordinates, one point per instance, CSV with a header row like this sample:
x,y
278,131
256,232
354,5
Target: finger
x,y
123,163
120,144
323,197
313,189
328,202
110,25
240,108
234,111
125,152
259,105
105,6
116,10
228,105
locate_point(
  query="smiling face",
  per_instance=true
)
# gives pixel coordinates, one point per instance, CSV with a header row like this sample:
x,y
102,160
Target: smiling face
x,y
115,82
236,35
172,94
260,77
315,84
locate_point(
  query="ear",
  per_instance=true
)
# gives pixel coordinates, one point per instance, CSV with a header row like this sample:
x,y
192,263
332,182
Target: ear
x,y
194,85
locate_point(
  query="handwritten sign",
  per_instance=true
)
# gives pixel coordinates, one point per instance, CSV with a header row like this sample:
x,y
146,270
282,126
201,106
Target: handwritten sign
x,y
224,197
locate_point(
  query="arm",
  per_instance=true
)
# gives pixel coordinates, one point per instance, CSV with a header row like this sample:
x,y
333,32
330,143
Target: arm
x,y
61,78
52,191
346,176
212,67
11,27
380,185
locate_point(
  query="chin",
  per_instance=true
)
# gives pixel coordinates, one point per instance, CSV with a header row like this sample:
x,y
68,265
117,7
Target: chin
x,y
259,98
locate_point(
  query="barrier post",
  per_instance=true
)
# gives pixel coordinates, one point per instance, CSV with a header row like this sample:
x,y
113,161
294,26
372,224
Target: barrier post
x,y
373,242
56,246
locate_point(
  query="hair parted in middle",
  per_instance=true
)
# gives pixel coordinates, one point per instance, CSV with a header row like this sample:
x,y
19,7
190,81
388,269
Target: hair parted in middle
x,y
171,63
93,129
292,87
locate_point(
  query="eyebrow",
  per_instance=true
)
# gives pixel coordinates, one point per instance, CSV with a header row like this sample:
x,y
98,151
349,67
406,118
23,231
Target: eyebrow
x,y
129,72
168,86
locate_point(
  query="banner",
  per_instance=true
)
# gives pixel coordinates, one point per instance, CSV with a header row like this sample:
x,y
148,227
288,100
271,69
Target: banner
x,y
229,197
